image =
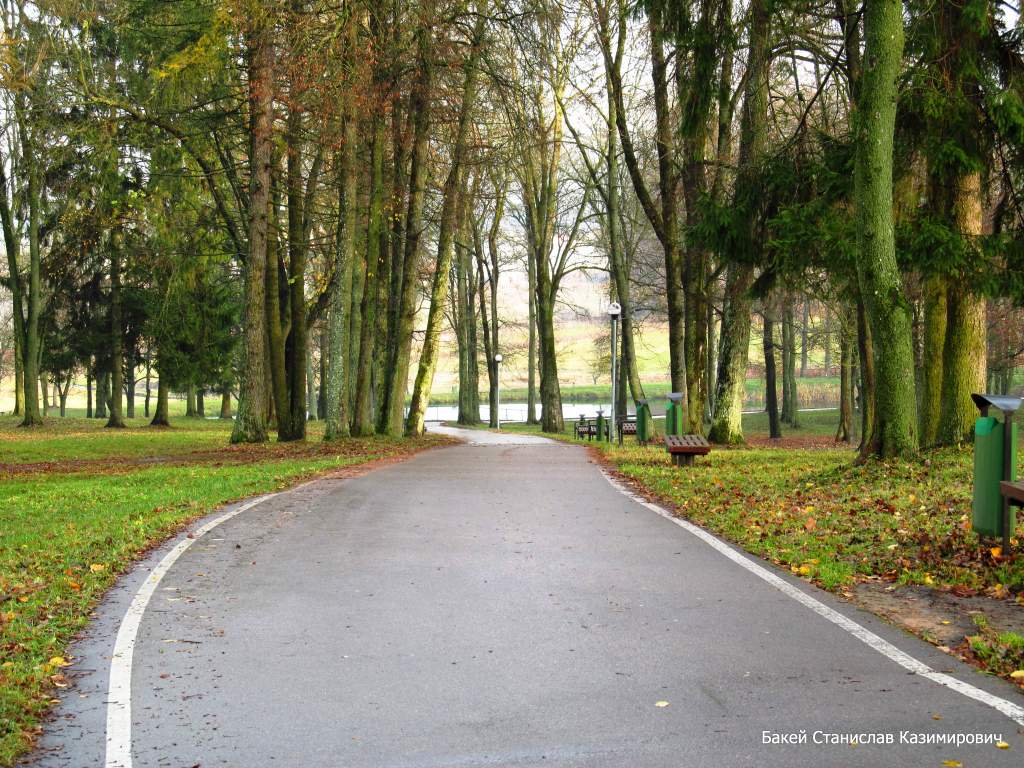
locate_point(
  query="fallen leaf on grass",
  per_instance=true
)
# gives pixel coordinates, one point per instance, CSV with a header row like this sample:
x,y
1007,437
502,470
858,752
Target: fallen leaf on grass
x,y
1018,675
97,567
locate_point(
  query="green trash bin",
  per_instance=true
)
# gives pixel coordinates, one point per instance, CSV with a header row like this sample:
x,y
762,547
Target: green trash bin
x,y
674,414
602,425
644,426
995,460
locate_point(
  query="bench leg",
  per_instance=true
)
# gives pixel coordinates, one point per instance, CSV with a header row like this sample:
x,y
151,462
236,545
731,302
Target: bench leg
x,y
688,459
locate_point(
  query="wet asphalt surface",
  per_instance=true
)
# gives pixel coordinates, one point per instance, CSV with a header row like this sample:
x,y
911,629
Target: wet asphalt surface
x,y
497,603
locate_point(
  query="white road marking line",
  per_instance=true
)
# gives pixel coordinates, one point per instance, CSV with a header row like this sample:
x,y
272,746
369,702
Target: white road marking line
x,y
1013,711
119,692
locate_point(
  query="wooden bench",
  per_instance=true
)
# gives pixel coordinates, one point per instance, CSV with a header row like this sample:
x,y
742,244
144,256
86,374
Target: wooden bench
x,y
682,448
588,429
627,426
1013,492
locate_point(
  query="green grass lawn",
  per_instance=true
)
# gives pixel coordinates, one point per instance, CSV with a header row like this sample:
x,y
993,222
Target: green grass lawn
x,y
69,526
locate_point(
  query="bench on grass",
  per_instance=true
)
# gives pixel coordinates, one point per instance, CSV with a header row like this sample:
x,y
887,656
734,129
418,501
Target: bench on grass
x,y
587,428
682,448
627,426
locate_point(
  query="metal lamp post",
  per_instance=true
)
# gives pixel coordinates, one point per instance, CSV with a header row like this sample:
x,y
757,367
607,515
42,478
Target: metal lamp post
x,y
497,390
613,312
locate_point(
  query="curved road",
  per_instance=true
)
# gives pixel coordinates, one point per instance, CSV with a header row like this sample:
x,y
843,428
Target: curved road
x,y
499,603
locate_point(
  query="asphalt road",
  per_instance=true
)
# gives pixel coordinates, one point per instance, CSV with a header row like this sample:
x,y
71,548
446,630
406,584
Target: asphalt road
x,y
497,604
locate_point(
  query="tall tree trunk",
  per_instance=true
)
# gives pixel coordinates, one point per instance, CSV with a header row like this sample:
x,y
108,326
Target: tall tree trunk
x,y
931,359
342,295
531,359
770,390
732,367
88,390
145,412
727,426
31,348
964,357
116,419
804,326
102,394
868,379
251,426
293,427
895,430
225,403
161,416
129,383
310,386
400,354
190,401
376,257
789,386
414,424
844,431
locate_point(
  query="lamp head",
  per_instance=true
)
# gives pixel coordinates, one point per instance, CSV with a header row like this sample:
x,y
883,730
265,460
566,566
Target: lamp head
x,y
498,358
614,310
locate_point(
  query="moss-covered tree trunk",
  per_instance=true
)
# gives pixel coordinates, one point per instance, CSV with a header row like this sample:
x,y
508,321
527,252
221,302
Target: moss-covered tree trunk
x,y
964,358
895,431
933,342
867,380
727,425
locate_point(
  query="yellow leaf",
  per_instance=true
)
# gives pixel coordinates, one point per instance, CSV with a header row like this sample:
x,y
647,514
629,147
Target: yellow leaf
x,y
952,763
97,567
1002,745
936,716
928,580
946,622
996,551
1018,675
58,661
661,704
805,570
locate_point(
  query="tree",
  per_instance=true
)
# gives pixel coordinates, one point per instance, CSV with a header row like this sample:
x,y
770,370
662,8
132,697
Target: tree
x,y
894,432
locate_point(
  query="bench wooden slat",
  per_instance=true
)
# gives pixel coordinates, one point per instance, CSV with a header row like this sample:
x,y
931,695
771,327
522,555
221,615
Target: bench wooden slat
x,y
687,444
1013,491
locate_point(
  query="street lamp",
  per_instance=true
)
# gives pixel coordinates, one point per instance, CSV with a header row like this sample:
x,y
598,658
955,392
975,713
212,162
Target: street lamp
x,y
497,390
613,312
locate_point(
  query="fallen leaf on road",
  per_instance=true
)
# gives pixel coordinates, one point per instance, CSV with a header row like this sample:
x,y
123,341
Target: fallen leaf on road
x,y
952,763
1002,745
661,703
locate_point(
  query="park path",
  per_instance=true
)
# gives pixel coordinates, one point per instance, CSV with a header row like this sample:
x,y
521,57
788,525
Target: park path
x,y
497,603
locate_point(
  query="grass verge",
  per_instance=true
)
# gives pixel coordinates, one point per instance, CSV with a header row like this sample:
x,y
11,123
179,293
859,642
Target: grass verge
x,y
65,536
